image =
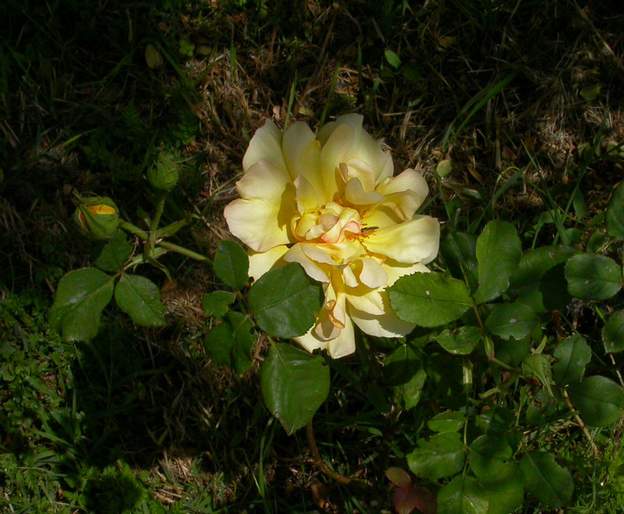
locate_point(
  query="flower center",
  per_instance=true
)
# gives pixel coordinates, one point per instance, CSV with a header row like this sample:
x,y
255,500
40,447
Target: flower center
x,y
332,223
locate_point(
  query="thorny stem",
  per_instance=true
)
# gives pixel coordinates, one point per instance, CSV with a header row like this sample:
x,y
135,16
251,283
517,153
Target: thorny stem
x,y
581,423
323,466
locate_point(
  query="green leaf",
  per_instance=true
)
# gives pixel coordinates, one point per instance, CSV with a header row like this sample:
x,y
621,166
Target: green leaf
x,y
572,354
537,365
140,299
599,400
489,457
613,333
231,342
511,320
554,289
593,277
504,496
512,352
534,263
448,421
231,264
285,301
80,299
459,252
462,495
438,457
461,341
429,299
244,339
393,59
294,385
615,213
219,343
549,482
409,393
498,252
114,253
400,366
217,303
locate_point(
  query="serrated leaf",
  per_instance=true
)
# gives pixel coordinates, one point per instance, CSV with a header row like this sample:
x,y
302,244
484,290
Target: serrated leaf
x,y
244,339
285,301
448,421
462,495
114,253
613,333
534,263
231,264
429,299
593,277
461,341
217,303
498,252
400,365
549,482
572,354
504,496
599,400
410,392
489,458
438,457
139,298
219,342
459,252
80,298
615,213
294,385
511,320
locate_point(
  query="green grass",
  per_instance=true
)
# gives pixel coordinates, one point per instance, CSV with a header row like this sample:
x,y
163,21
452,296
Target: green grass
x,y
524,98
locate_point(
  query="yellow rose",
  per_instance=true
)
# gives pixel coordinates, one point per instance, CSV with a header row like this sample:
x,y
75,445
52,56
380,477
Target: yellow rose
x,y
330,202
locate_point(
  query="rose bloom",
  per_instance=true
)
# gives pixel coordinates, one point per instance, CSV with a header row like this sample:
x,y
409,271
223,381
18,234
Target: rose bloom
x,y
331,203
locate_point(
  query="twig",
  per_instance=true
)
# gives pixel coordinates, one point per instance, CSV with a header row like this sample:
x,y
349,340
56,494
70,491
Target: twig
x,y
581,423
323,466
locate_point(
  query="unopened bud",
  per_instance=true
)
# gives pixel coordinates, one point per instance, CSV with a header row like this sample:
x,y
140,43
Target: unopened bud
x,y
163,175
97,217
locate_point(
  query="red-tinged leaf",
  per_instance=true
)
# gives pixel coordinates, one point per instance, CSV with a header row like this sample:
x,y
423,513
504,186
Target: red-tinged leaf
x,y
413,498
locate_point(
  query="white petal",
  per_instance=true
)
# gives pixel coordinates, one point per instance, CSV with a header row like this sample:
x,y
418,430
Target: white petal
x,y
367,301
256,223
310,342
417,240
396,270
260,263
405,193
265,145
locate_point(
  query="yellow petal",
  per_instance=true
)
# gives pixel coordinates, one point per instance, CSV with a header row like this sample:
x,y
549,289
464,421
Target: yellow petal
x,y
373,274
395,270
355,194
263,180
265,145
366,300
344,343
413,241
256,223
311,342
313,269
260,263
333,153
308,197
405,193
302,154
380,325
